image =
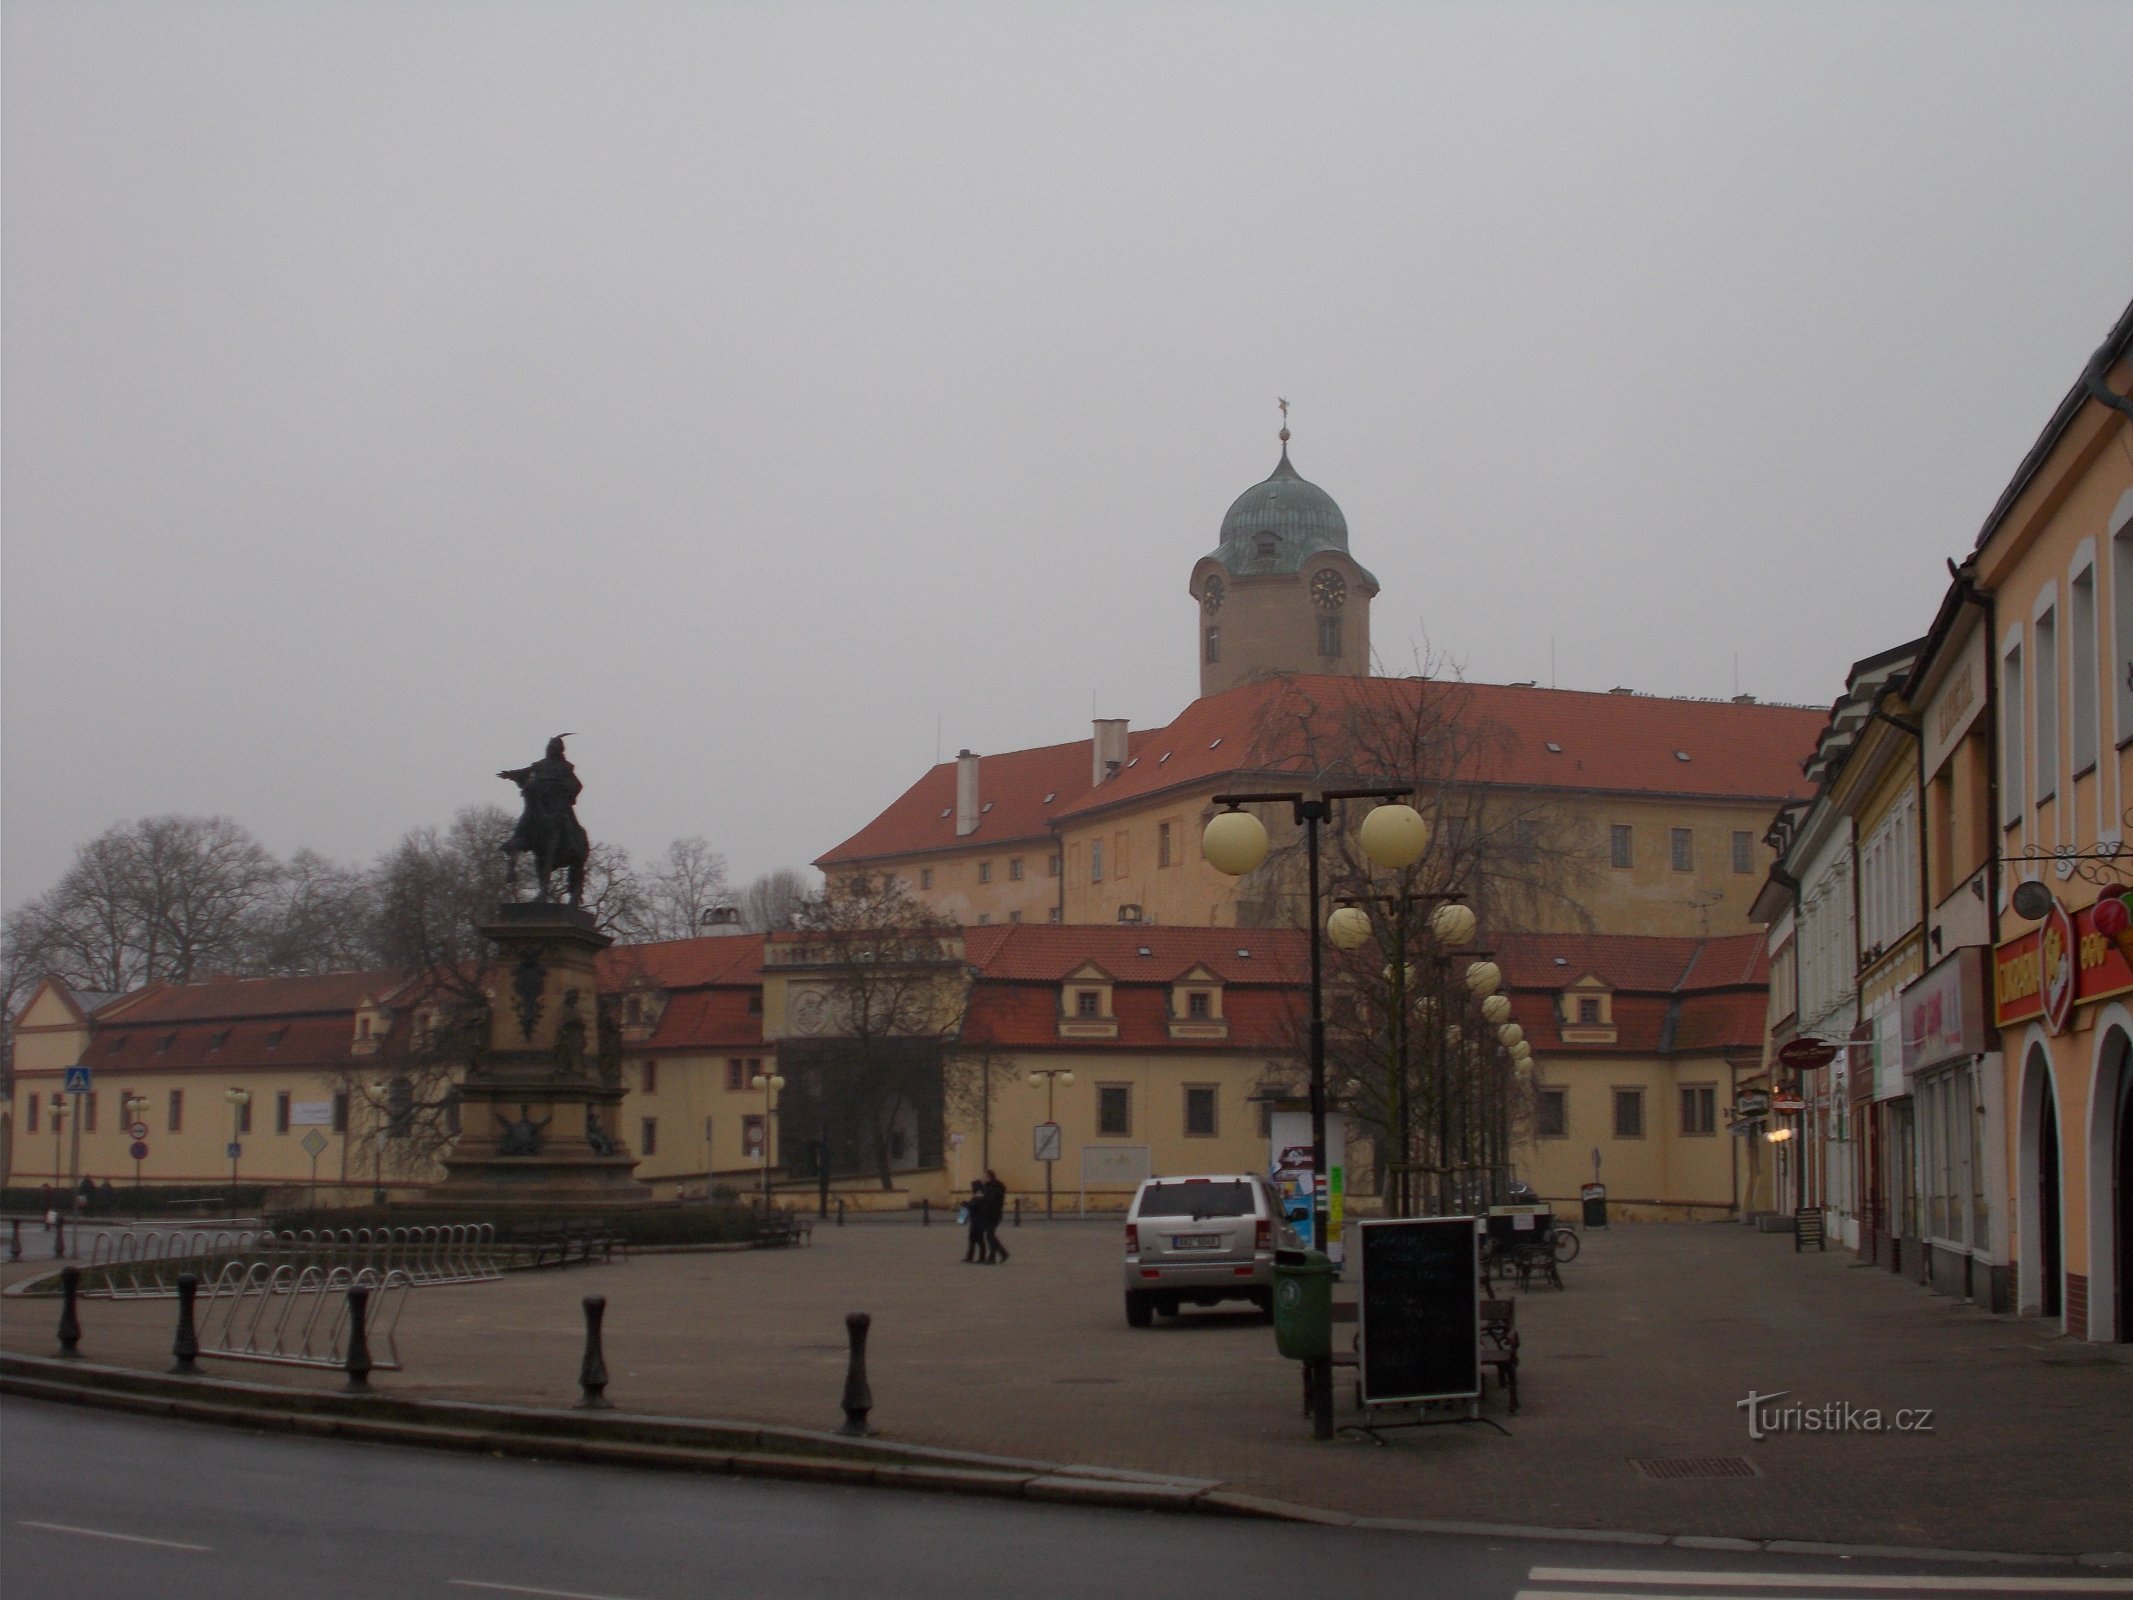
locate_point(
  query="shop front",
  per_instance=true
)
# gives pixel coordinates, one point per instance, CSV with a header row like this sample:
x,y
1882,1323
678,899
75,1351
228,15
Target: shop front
x,y
1957,1106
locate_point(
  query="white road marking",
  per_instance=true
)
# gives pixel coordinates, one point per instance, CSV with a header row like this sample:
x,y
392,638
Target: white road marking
x,y
1943,1583
548,1594
123,1538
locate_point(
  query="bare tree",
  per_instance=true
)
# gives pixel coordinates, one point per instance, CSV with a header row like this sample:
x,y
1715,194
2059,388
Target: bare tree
x,y
690,880
319,917
769,903
878,988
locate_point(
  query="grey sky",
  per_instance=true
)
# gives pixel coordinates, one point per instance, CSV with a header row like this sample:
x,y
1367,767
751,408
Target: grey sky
x,y
777,394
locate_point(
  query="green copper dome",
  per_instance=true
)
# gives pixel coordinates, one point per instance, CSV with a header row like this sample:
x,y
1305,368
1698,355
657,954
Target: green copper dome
x,y
1276,526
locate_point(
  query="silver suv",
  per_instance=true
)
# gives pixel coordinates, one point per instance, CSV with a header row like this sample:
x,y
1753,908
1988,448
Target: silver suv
x,y
1204,1239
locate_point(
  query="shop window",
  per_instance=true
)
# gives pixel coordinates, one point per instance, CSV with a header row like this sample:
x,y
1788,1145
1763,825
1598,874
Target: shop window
x,y
1114,1111
1699,1108
1629,1113
1551,1114
1200,1111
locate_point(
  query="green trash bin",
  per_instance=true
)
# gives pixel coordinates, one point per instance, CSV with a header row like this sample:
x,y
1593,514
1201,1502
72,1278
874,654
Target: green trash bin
x,y
1303,1304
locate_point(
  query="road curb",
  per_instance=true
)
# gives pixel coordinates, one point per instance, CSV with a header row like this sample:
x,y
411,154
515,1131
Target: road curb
x,y
739,1449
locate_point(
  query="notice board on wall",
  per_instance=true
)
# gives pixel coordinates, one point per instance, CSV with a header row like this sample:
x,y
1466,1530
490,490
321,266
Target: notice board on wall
x,y
1419,1325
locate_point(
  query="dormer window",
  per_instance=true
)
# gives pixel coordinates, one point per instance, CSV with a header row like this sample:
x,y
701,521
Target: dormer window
x,y
1199,1005
1088,1003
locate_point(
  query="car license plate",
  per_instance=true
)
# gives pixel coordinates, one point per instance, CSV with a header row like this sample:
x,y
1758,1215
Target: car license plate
x,y
1196,1241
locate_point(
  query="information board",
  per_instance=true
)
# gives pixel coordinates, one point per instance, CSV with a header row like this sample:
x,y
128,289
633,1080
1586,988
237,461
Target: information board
x,y
1419,1327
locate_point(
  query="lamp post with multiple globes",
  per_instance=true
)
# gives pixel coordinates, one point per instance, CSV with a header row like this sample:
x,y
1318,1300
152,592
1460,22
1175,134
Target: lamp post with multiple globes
x,y
1393,835
238,1099
769,1083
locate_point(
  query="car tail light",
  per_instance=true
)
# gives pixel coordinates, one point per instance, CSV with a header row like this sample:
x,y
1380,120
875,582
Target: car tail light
x,y
1133,1238
1263,1235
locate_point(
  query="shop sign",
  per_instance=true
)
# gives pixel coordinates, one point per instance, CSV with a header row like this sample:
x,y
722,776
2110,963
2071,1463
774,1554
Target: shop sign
x,y
1944,1011
2047,972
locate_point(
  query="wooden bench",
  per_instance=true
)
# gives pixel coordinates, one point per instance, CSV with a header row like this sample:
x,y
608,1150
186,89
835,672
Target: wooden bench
x,y
1499,1347
781,1230
563,1240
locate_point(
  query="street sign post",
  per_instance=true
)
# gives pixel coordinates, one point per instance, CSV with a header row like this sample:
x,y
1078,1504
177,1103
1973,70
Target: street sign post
x,y
233,1149
313,1144
138,1131
139,1153
1046,1141
78,1080
77,1084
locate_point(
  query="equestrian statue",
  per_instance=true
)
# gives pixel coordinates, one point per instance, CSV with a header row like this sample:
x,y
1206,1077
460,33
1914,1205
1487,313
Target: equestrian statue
x,y
548,826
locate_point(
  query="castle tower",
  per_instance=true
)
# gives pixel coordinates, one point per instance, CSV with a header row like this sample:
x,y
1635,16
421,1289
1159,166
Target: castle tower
x,y
1279,592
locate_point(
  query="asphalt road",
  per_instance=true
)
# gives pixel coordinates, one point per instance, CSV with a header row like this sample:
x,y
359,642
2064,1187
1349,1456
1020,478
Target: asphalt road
x,y
96,1505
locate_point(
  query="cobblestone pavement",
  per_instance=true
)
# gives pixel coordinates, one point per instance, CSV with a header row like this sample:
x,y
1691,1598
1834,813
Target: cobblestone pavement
x,y
1647,1353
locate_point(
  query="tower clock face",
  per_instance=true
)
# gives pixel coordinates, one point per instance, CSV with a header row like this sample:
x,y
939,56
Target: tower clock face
x,y
1329,589
1211,595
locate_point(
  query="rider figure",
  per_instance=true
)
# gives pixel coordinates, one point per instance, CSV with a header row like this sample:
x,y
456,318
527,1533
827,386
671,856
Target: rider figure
x,y
548,825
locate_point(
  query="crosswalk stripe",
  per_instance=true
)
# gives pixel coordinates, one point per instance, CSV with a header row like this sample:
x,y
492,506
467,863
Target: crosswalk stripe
x,y
1831,1583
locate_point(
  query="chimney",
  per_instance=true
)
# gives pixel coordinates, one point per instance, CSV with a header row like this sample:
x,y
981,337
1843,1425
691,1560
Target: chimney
x,y
1108,749
966,793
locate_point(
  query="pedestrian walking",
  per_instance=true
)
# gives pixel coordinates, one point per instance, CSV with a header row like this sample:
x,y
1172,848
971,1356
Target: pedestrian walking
x,y
974,1222
995,1195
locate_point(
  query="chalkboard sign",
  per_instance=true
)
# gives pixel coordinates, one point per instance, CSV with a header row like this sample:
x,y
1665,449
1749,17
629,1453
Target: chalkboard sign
x,y
1419,1328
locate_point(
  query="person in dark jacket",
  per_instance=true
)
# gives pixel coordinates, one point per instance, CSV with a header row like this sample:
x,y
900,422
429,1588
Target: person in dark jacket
x,y
995,1208
974,1221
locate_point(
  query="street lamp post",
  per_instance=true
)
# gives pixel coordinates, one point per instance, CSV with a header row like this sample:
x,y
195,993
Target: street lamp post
x,y
1051,1078
769,1083
136,1109
376,1093
59,1119
238,1099
1234,843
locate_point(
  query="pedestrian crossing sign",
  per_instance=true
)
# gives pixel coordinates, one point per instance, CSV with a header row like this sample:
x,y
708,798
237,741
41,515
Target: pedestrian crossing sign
x,y
77,1080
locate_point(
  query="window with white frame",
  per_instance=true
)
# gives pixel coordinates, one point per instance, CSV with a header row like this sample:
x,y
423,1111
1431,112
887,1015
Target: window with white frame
x,y
1888,877
2012,763
2122,626
2045,740
2081,696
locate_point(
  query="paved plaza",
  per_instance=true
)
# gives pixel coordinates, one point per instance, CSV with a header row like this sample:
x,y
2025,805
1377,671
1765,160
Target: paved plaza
x,y
1645,1356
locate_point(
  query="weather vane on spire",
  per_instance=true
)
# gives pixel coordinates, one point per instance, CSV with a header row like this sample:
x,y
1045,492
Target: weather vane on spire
x,y
1284,404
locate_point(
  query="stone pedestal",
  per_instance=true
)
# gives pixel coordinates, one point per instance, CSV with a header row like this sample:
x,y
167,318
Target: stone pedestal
x,y
540,1111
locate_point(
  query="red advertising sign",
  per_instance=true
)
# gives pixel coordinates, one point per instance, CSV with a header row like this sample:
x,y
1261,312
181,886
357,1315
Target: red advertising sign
x,y
2062,963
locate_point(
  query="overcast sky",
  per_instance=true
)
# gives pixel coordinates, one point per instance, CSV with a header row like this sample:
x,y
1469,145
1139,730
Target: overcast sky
x,y
781,395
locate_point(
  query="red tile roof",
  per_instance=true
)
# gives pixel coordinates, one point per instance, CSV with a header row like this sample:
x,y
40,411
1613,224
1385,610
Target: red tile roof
x,y
1669,995
228,999
1559,739
1046,952
684,963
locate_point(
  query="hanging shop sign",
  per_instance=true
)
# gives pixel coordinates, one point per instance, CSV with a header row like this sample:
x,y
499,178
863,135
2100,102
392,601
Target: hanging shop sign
x,y
2061,964
1944,1011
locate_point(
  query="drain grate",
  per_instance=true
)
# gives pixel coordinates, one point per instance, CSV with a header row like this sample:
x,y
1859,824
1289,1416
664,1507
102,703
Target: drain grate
x,y
1695,1467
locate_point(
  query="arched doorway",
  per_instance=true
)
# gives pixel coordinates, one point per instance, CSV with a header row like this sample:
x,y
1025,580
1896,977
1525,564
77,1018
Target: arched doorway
x,y
2110,1197
2041,1259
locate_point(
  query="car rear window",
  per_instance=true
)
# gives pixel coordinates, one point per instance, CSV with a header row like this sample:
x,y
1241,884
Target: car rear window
x,y
1205,1198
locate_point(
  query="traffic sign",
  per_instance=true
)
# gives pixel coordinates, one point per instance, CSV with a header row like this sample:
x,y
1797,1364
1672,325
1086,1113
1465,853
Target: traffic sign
x,y
77,1080
1805,1053
313,1144
138,1131
1047,1141
233,1150
139,1151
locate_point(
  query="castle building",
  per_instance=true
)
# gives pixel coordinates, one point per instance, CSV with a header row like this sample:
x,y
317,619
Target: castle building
x,y
1651,810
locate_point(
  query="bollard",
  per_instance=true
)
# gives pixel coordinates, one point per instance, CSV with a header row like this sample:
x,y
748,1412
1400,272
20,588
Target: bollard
x,y
858,1398
358,1363
1018,1211
840,1211
14,1240
925,1213
69,1324
59,1236
592,1375
187,1345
